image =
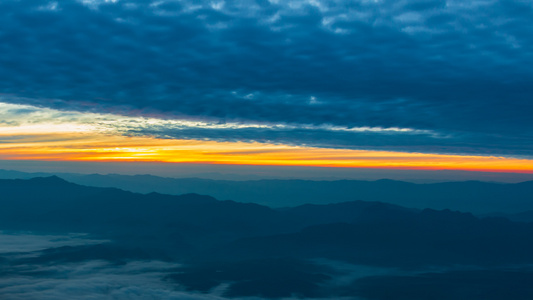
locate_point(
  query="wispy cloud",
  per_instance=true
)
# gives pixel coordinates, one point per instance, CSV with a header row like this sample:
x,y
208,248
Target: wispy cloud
x,y
13,242
33,133
23,120
93,280
23,117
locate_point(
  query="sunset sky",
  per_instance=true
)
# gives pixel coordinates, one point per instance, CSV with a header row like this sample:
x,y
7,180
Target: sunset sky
x,y
422,84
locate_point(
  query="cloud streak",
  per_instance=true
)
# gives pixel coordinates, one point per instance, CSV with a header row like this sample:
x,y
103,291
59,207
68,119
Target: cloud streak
x,y
33,133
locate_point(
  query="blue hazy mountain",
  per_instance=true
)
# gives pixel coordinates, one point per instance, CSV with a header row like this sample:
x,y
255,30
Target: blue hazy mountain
x,y
246,249
472,196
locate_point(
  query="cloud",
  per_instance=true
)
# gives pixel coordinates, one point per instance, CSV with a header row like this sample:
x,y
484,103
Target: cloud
x,y
93,280
133,279
454,68
19,121
88,279
16,242
149,279
98,279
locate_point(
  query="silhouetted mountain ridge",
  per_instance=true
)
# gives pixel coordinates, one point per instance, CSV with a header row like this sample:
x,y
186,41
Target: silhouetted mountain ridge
x,y
257,250
357,231
475,196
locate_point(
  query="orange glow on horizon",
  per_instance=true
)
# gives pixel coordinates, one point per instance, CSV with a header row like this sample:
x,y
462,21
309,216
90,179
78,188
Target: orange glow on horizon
x,y
76,146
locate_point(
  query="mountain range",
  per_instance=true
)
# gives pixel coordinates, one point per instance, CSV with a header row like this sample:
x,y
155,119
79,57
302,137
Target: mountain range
x,y
256,250
478,197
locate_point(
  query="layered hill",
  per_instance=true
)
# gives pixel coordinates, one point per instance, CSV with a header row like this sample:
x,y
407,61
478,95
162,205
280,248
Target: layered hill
x,y
262,251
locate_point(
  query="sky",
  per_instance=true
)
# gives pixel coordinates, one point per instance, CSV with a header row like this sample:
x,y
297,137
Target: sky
x,y
424,85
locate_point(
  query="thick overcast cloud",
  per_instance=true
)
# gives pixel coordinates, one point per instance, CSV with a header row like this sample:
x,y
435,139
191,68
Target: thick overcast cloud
x,y
457,73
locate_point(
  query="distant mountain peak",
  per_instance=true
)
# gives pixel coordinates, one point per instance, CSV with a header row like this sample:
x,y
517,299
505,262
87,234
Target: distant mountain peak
x,y
49,180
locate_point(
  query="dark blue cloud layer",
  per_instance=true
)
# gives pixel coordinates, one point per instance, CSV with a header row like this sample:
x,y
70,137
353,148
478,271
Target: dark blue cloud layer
x,y
460,69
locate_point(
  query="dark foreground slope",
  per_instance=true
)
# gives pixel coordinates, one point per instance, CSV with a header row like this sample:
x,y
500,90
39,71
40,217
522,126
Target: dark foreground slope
x,y
236,249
